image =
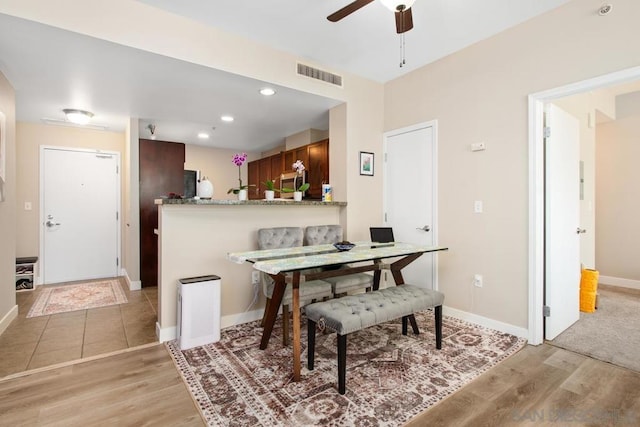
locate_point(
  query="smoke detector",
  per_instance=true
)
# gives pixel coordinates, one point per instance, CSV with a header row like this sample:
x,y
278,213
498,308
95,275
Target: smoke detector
x,y
605,9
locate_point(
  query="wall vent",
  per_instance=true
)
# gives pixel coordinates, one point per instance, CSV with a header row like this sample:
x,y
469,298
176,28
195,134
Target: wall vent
x,y
315,73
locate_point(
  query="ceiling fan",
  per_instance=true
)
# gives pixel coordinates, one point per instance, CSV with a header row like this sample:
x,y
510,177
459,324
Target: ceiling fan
x,y
402,9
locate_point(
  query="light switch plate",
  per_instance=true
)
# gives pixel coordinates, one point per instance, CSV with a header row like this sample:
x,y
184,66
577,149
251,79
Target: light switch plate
x,y
478,146
27,206
477,206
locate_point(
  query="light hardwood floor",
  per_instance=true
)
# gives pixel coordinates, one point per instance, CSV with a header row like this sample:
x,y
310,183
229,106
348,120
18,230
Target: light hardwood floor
x,y
536,386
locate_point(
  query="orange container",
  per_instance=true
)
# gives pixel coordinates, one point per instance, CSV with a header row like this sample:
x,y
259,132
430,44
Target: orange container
x,y
589,280
587,301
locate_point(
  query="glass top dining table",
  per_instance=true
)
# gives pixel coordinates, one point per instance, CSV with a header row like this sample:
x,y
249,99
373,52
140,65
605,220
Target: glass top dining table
x,y
280,262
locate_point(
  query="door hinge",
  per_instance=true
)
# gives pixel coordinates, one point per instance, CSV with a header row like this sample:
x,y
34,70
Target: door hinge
x,y
117,169
547,131
546,311
385,217
117,261
117,216
385,157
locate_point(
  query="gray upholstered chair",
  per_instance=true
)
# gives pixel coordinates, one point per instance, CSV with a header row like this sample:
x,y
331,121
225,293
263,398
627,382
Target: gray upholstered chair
x,y
324,234
314,290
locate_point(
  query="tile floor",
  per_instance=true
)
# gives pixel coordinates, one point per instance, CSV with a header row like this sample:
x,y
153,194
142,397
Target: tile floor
x,y
47,340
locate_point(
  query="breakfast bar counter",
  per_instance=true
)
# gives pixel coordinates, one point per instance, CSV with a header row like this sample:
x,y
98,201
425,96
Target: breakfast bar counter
x,y
195,236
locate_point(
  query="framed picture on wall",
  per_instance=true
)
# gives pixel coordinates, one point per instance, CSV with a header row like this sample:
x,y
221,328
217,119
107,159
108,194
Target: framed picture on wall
x,y
366,163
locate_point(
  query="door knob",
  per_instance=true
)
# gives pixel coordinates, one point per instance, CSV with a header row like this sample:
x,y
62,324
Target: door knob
x,y
580,230
50,223
425,228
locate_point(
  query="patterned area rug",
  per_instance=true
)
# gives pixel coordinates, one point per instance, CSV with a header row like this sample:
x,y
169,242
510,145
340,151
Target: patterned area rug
x,y
390,377
53,300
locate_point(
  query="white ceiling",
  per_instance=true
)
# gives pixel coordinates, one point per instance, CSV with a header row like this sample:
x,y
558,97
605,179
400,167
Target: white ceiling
x,y
52,69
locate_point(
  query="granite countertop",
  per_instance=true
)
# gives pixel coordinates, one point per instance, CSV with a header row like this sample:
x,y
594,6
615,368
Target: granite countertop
x,y
279,202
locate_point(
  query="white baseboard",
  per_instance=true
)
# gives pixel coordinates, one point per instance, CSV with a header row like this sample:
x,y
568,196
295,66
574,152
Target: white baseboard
x,y
486,322
8,318
618,281
240,318
134,285
166,334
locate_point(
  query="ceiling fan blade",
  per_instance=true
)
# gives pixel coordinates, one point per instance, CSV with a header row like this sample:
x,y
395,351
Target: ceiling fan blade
x,y
348,10
404,21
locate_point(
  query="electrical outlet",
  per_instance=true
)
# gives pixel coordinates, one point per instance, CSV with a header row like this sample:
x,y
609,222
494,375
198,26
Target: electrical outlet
x,y
255,277
477,280
27,206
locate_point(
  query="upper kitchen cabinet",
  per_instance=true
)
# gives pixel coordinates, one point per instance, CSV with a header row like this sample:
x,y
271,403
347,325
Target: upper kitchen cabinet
x,y
267,168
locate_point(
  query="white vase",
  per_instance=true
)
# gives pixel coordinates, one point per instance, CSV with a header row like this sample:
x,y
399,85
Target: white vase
x,y
242,195
205,189
269,194
297,196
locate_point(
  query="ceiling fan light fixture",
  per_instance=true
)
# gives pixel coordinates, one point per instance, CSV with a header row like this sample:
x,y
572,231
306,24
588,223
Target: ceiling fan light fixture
x,y
79,117
397,5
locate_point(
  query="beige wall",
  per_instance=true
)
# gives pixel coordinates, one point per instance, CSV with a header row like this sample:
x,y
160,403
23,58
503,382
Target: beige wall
x,y
30,137
216,165
8,307
480,95
618,198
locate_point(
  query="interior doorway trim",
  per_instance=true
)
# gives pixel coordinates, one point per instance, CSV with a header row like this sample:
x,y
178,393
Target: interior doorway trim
x,y
536,186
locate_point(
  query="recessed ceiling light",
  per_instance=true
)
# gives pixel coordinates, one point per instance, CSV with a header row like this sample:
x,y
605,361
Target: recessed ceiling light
x,y
79,117
226,118
203,135
267,91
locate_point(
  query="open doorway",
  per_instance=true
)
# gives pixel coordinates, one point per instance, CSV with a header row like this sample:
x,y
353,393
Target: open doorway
x,y
581,99
536,189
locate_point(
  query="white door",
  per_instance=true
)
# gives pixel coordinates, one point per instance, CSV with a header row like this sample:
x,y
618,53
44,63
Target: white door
x,y
80,193
562,220
409,195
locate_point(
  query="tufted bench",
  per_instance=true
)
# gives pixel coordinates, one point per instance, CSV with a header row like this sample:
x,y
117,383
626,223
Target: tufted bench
x,y
352,313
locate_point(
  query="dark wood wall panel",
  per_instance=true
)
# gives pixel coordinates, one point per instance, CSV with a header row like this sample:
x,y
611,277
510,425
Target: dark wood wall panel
x,y
161,173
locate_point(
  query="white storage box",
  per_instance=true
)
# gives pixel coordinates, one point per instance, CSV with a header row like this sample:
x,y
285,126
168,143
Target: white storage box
x,y
198,311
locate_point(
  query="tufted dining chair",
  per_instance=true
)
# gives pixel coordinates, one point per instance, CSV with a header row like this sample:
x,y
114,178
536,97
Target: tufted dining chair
x,y
314,290
329,234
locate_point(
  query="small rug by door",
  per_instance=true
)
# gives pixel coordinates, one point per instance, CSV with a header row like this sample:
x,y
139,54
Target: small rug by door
x,y
60,299
390,377
611,333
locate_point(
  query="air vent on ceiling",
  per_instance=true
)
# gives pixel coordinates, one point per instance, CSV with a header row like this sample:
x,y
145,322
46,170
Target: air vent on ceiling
x,y
314,73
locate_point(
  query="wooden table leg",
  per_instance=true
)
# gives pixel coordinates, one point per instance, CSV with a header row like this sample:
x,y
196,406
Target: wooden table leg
x,y
396,268
296,325
272,309
376,275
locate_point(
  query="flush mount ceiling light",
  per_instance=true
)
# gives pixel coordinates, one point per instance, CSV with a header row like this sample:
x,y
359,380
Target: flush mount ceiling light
x,y
79,117
226,118
267,91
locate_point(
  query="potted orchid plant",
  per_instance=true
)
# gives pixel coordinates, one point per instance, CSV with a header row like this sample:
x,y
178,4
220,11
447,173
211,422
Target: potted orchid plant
x,y
241,190
270,185
298,166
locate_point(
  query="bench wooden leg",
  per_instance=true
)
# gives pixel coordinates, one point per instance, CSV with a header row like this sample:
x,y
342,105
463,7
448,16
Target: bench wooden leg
x,y
311,343
404,324
438,315
342,363
414,324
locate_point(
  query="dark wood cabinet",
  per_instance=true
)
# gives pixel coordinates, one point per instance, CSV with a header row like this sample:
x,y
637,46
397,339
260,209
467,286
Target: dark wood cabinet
x,y
317,168
161,173
315,157
262,170
253,175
